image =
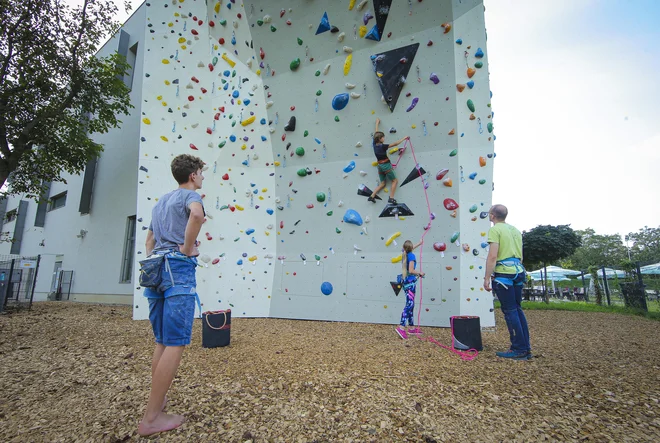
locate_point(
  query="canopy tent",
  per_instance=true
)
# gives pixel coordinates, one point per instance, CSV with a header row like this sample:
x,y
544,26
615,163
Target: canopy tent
x,y
651,269
553,273
609,273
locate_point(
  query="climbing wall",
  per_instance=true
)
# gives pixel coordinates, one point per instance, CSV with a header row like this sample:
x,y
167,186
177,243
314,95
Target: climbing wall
x,y
281,104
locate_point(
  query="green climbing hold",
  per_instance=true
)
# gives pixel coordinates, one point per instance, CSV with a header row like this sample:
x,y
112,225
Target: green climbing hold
x,y
259,22
482,181
223,22
295,64
300,42
300,151
473,208
319,92
490,127
301,172
222,144
306,133
231,116
337,230
336,118
320,197
317,73
233,123
317,257
273,28
453,153
479,65
215,61
233,73
470,105
454,237
329,213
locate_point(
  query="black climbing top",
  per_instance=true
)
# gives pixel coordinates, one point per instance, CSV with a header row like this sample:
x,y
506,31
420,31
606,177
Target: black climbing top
x,y
380,150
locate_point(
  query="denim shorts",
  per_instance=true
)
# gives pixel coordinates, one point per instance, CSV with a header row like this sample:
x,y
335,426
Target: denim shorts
x,y
172,303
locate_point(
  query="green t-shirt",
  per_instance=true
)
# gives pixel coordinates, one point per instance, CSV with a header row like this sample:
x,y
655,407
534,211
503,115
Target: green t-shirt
x,y
510,240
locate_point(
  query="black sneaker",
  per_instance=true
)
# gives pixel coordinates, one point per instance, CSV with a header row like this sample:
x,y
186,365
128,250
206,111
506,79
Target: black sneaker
x,y
391,201
372,199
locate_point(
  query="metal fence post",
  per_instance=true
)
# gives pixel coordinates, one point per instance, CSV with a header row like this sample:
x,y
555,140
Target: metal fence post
x,y
34,281
607,288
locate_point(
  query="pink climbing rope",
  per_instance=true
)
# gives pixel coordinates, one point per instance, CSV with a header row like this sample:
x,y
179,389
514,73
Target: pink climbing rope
x,y
470,354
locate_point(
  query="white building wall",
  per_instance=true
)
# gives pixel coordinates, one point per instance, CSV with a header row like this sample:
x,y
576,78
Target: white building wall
x,y
95,258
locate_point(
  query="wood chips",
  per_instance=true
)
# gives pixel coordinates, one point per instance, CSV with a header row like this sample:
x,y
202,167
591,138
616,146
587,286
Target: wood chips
x,y
73,372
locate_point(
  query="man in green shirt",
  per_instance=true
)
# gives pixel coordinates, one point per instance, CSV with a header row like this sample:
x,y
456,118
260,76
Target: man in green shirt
x,y
505,263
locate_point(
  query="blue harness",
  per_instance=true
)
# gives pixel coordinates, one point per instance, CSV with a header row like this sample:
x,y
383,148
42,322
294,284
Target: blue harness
x,y
520,269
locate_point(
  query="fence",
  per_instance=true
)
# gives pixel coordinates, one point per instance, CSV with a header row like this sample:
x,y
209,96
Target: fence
x,y
18,276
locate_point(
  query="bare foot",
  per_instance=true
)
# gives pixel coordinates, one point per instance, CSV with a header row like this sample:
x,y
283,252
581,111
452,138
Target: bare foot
x,y
162,423
162,408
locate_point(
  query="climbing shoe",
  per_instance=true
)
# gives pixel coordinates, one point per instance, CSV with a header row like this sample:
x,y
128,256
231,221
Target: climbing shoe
x,y
391,201
372,199
512,355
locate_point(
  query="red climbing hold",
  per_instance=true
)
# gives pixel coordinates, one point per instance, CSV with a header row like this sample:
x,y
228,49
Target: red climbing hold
x,y
215,261
191,98
232,208
211,67
293,108
450,204
282,11
440,246
209,131
239,15
221,41
208,236
193,147
195,79
194,32
222,109
211,23
281,225
262,54
288,22
217,116
225,177
441,174
283,137
310,205
200,22
204,91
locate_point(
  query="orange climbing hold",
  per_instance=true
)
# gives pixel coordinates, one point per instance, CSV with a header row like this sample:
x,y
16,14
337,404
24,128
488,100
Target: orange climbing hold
x,y
460,87
470,72
452,132
482,161
448,182
447,27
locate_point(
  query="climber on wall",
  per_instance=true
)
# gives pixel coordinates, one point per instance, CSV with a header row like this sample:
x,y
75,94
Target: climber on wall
x,y
385,168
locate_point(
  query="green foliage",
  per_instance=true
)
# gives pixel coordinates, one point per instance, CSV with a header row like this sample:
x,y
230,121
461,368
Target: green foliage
x,y
645,245
598,250
54,91
546,244
593,270
587,307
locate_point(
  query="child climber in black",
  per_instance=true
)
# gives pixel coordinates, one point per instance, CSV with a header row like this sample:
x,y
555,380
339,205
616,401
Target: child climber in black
x,y
385,169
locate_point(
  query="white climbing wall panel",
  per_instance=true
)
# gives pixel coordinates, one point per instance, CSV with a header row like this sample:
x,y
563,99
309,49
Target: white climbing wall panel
x,y
275,236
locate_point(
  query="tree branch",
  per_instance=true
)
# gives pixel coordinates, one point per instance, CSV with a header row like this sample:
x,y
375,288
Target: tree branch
x,y
10,45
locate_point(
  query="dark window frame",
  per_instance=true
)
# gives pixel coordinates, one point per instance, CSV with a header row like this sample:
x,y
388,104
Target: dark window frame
x,y
127,261
53,202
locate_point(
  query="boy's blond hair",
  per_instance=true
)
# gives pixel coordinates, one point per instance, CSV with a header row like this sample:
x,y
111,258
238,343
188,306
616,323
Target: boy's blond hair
x,y
407,247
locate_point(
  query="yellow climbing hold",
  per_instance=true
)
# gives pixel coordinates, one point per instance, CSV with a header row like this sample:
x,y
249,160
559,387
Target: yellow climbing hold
x,y
276,163
216,8
392,238
160,97
248,121
240,208
166,61
182,39
396,259
170,24
244,147
347,63
414,126
363,31
258,72
264,190
228,60
167,82
374,163
351,5
184,47
392,151
163,138
253,258
164,103
146,121
267,233
261,197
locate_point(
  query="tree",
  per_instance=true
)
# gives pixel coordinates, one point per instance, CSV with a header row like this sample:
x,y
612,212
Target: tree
x,y
546,244
54,91
597,250
646,245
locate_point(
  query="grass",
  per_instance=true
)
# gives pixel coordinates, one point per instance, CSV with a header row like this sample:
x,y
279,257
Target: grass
x,y
653,314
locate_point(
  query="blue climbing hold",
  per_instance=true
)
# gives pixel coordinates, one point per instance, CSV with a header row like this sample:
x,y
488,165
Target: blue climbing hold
x,y
349,167
373,34
473,175
470,84
352,217
326,288
263,138
235,93
226,86
340,101
232,138
227,73
269,211
249,231
459,41
484,244
240,262
262,121
317,140
324,25
246,101
479,53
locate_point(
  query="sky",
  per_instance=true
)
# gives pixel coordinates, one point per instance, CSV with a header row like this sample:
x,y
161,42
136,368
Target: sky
x,y
576,102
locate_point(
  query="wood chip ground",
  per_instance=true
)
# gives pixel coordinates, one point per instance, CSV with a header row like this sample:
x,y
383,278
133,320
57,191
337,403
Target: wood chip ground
x,y
81,373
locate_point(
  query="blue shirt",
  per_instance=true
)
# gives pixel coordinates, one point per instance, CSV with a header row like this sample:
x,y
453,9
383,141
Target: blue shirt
x,y
411,259
169,218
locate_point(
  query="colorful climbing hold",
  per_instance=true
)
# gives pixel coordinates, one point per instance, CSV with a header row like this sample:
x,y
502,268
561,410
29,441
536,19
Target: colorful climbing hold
x,y
326,288
340,101
295,64
300,151
348,63
353,217
320,197
470,105
450,204
441,174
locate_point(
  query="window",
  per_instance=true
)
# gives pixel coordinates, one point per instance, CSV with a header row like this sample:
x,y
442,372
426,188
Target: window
x,y
129,250
130,59
11,215
57,201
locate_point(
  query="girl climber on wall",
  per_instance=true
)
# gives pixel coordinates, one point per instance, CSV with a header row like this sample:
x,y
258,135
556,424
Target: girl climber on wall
x,y
408,278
